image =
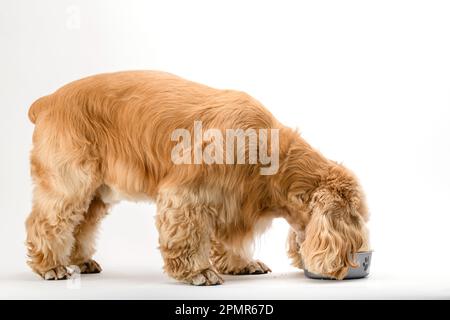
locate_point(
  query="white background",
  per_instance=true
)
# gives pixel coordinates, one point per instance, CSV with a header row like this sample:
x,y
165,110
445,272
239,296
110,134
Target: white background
x,y
366,82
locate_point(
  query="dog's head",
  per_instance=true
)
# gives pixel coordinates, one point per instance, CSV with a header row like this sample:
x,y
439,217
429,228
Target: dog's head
x,y
334,226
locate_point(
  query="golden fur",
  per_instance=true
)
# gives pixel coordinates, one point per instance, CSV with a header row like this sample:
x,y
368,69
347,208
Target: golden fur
x,y
107,137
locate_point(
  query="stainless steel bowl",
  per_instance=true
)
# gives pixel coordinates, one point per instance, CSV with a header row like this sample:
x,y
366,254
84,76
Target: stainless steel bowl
x,y
362,258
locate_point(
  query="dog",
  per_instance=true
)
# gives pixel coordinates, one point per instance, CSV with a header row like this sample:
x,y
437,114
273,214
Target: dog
x,y
107,138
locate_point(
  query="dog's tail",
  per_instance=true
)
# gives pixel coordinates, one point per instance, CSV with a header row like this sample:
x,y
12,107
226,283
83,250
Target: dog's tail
x,y
37,107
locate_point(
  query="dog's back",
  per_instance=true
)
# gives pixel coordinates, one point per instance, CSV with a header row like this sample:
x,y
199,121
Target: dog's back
x,y
123,122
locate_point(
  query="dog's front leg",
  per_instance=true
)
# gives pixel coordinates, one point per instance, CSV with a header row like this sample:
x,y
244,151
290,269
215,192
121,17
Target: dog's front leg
x,y
184,240
293,245
237,261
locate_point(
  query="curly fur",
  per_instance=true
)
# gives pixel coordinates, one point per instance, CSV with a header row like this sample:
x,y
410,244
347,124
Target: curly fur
x,y
106,138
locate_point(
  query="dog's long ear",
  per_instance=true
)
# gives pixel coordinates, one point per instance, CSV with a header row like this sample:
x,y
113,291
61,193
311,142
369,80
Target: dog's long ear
x,y
334,233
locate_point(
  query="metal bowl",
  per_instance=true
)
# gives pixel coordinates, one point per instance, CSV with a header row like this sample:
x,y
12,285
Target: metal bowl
x,y
362,258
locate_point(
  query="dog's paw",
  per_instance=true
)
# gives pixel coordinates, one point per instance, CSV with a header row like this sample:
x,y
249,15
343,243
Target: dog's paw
x,y
207,277
90,266
253,267
257,267
58,273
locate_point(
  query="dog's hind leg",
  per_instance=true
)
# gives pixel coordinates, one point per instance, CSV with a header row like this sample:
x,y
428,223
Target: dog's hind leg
x,y
184,240
235,261
64,188
50,232
85,233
